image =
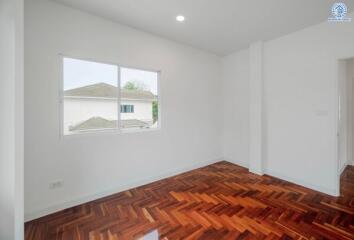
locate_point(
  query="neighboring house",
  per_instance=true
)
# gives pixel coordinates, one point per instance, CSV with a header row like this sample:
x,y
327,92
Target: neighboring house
x,y
95,107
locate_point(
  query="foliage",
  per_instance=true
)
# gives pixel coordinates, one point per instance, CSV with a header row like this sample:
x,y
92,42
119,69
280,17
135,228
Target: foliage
x,y
135,85
155,110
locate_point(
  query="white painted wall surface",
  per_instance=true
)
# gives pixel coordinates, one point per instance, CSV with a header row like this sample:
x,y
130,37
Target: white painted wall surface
x,y
301,87
256,161
11,120
92,166
301,91
235,141
7,119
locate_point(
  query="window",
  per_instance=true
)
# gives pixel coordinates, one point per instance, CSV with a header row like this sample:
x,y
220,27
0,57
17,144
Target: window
x,y
127,108
93,92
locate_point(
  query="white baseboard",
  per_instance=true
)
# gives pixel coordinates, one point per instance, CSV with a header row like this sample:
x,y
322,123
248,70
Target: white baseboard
x,y
240,163
332,192
256,171
67,204
343,168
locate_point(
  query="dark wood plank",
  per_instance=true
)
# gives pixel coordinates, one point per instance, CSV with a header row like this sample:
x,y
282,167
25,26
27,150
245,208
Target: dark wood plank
x,y
220,201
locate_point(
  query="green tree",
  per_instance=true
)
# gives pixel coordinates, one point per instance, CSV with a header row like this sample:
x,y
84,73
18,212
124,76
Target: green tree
x,y
135,85
155,110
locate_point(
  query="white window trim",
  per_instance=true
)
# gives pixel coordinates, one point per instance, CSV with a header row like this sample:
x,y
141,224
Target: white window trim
x,y
100,132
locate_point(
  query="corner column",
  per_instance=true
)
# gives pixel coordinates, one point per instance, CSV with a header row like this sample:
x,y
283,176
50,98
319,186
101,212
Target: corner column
x,y
256,108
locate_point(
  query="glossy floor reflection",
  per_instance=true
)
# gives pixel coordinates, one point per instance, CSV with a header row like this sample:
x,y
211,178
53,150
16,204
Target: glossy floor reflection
x,y
154,235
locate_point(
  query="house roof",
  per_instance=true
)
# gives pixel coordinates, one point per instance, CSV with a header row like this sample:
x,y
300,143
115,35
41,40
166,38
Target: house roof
x,y
102,123
104,90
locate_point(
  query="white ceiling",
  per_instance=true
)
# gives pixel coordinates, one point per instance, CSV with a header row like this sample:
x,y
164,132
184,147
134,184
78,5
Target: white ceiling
x,y
218,26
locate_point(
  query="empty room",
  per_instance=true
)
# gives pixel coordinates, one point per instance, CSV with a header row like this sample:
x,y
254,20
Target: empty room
x,y
176,119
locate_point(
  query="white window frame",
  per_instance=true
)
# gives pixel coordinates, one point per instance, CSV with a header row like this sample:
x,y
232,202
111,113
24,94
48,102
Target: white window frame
x,y
117,130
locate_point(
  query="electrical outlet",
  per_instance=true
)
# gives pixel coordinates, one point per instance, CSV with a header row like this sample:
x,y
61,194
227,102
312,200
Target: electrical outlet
x,y
56,184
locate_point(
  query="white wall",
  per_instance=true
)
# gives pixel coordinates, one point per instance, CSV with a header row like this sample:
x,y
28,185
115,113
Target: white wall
x,y
301,92
300,97
256,108
11,120
235,141
91,166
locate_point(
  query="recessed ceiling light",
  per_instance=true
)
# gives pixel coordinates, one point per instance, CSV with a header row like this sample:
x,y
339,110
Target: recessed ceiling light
x,y
180,18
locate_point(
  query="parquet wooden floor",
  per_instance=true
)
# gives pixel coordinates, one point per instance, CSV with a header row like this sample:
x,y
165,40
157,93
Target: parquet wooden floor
x,y
220,201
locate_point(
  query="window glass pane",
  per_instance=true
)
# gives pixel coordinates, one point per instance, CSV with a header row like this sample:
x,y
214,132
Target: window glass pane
x,y
90,96
139,93
126,108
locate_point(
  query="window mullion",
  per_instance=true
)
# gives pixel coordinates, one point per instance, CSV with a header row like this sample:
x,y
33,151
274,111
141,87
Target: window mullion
x,y
119,100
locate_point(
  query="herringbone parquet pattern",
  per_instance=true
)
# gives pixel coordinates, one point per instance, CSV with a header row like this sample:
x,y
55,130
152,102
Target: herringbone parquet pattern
x,y
220,201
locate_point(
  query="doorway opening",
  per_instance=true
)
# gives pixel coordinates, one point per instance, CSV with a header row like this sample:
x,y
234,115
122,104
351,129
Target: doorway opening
x,y
346,126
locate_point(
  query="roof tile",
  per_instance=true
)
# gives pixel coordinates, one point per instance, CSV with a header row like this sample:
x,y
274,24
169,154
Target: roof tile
x,y
104,90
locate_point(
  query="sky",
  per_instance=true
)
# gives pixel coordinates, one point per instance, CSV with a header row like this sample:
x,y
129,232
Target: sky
x,y
79,73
